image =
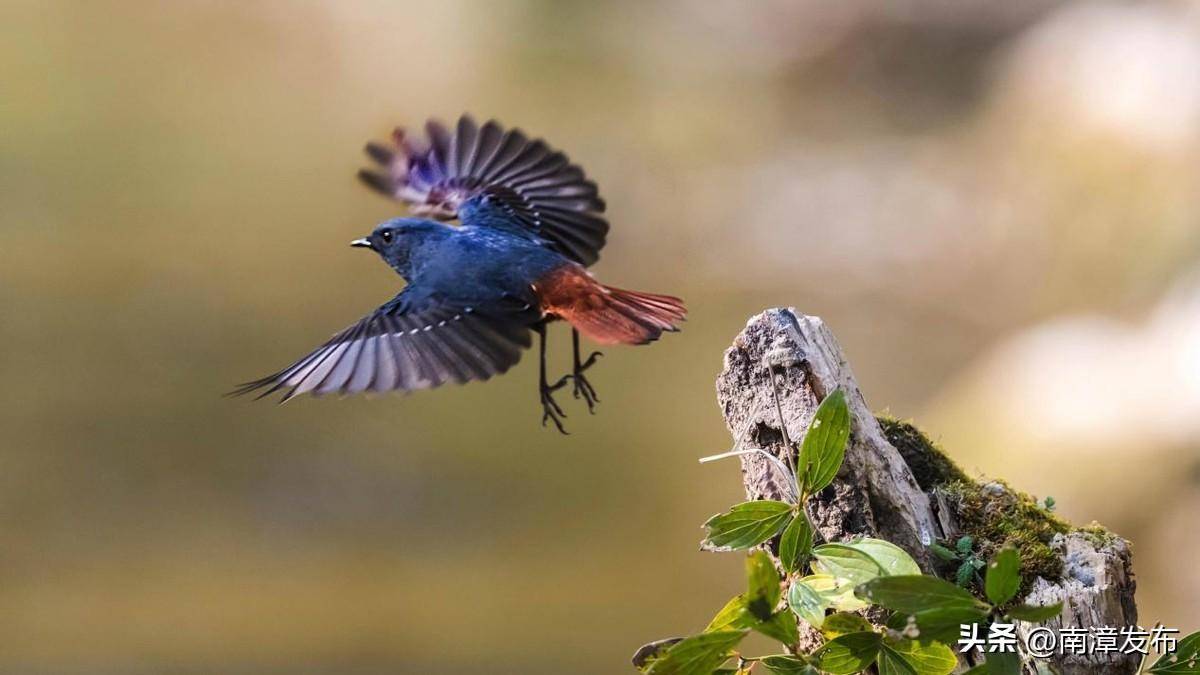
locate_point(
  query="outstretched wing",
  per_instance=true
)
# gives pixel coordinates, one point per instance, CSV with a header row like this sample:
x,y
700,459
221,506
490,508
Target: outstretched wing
x,y
407,344
538,186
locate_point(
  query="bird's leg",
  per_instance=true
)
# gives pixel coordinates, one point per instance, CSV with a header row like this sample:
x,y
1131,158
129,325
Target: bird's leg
x,y
551,412
582,386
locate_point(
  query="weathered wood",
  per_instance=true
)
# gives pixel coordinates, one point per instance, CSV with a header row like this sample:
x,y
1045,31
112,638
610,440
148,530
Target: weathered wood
x,y
875,492
1096,590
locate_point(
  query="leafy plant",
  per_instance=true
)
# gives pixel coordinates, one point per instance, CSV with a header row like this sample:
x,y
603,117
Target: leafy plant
x,y
1184,661
924,613
967,563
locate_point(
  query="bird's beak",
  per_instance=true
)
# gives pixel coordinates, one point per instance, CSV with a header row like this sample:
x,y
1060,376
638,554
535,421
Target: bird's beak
x,y
362,243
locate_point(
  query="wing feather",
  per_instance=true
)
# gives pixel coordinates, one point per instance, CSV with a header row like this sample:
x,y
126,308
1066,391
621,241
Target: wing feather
x,y
491,144
544,194
406,345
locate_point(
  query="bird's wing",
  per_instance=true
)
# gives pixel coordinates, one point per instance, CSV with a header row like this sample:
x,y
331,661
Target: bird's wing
x,y
536,186
412,342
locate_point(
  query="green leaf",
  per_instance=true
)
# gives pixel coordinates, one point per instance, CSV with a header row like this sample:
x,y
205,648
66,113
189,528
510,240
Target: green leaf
x,y
763,583
824,445
1003,663
964,574
838,593
893,560
964,544
931,658
650,651
795,546
698,655
849,653
746,525
781,626
733,615
891,663
1184,661
916,593
943,552
786,664
1003,576
810,601
736,615
843,562
935,625
1035,613
843,623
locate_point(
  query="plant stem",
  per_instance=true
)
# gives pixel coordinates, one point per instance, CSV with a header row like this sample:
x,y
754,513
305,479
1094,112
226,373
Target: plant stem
x,y
789,452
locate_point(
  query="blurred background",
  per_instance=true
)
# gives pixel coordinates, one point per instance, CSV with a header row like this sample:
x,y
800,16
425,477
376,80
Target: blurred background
x,y
994,204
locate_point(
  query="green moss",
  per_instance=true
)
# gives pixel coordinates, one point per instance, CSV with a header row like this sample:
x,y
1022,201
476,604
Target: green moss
x,y
1097,534
994,515
929,464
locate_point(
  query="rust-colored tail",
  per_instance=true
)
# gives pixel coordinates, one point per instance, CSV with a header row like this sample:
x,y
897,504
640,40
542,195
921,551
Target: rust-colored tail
x,y
605,314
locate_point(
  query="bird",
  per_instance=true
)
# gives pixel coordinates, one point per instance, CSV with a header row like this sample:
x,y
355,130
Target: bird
x,y
501,230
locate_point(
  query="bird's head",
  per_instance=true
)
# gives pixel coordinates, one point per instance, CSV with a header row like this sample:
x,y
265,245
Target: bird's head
x,y
396,241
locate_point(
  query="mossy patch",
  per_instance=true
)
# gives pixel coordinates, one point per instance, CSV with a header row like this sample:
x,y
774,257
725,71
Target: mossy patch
x,y
929,464
994,515
1098,535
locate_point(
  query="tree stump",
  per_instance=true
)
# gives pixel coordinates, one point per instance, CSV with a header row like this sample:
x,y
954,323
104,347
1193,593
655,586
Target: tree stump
x,y
897,486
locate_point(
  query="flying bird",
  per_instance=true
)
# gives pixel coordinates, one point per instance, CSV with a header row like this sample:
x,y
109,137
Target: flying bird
x,y
529,224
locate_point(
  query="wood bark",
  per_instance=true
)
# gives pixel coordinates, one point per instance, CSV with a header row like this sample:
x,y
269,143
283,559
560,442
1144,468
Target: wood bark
x,y
875,492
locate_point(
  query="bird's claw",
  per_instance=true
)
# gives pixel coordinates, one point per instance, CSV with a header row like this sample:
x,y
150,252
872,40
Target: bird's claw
x,y
591,360
562,382
551,411
583,388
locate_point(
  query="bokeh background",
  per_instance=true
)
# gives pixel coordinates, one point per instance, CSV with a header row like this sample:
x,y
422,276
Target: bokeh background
x,y
994,204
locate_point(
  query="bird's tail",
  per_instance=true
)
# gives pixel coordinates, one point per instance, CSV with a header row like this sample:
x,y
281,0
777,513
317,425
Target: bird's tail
x,y
605,314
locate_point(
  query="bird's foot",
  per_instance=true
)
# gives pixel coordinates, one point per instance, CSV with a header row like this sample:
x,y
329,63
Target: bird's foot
x,y
584,388
551,412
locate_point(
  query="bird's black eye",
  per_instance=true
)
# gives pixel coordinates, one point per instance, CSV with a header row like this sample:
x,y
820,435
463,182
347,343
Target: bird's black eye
x,y
386,235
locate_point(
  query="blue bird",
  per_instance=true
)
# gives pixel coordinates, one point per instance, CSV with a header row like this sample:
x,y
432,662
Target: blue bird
x,y
529,224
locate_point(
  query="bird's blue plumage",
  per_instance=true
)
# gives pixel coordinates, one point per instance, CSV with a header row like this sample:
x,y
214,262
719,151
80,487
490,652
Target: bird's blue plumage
x,y
474,263
530,222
